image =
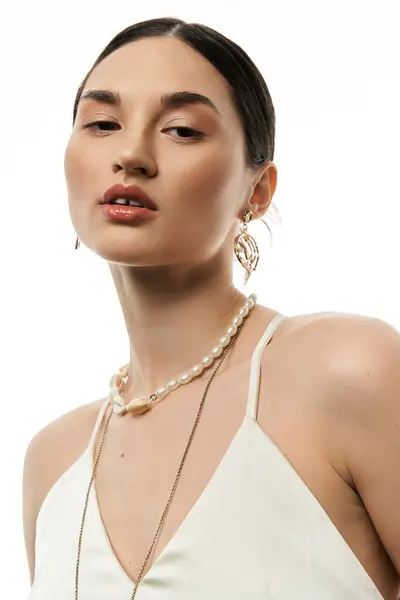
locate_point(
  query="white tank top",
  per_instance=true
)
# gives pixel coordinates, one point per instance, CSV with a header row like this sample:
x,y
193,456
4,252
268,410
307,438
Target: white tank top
x,y
255,533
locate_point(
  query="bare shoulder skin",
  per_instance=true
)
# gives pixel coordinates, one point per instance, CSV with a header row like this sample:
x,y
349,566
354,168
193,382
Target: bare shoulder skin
x,y
336,417
50,453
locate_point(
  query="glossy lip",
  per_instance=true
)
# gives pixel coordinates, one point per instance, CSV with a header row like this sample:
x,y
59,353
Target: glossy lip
x,y
130,192
126,214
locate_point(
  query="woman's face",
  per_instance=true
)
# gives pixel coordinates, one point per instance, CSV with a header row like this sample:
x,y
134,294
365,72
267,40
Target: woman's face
x,y
200,182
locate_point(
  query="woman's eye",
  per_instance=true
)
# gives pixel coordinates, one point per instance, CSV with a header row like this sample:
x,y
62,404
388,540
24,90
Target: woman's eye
x,y
188,132
95,124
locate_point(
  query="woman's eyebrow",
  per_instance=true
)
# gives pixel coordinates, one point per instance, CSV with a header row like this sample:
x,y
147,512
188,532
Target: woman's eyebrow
x,y
168,101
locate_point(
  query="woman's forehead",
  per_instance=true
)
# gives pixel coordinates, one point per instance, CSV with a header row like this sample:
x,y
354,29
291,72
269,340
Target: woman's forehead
x,y
153,67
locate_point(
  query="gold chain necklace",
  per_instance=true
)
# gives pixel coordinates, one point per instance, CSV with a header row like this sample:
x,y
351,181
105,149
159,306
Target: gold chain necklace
x,y
163,516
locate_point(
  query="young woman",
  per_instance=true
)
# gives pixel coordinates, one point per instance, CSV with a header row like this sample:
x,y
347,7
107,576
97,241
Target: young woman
x,y
240,453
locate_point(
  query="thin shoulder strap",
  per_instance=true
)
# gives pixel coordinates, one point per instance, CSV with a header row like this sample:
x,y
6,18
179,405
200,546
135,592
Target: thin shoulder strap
x,y
97,424
254,383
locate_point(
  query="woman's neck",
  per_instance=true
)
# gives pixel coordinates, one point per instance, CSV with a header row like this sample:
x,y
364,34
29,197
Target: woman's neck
x,y
170,331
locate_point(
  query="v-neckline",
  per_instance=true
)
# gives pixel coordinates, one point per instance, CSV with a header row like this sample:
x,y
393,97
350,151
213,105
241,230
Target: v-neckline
x,y
188,517
262,342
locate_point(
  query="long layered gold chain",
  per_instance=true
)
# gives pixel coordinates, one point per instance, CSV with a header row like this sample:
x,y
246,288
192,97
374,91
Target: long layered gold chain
x,y
163,517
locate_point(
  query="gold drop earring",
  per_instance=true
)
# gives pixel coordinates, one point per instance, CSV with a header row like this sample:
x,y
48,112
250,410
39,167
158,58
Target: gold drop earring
x,y
245,246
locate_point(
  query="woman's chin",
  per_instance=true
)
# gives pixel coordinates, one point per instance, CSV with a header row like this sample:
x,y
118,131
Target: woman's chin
x,y
124,256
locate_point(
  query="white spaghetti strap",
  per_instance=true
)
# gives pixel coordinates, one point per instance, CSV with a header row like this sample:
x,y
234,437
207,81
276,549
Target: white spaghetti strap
x,y
254,380
97,424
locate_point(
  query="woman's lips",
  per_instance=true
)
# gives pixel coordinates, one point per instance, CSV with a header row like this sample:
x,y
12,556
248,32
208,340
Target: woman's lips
x,y
128,192
126,213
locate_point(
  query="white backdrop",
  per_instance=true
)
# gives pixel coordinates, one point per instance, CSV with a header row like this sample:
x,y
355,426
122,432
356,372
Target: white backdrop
x,y
333,73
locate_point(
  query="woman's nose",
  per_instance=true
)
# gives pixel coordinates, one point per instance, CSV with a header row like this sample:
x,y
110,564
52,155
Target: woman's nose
x,y
135,161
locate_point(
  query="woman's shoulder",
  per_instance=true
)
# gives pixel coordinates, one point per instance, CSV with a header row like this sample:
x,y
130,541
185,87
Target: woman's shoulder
x,y
347,364
340,352
350,338
346,327
59,443
69,431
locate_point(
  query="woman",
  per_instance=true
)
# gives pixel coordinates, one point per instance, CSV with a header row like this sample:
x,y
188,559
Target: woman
x,y
269,468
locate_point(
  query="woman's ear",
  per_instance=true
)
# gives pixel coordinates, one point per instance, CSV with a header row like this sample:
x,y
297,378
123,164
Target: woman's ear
x,y
264,186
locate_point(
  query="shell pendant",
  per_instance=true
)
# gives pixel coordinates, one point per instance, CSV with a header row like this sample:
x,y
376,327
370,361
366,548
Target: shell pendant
x,y
137,406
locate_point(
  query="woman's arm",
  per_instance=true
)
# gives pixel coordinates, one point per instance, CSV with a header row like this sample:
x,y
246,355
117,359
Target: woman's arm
x,y
368,380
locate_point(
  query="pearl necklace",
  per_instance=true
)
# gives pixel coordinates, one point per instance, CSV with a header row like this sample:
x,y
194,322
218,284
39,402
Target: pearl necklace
x,y
139,406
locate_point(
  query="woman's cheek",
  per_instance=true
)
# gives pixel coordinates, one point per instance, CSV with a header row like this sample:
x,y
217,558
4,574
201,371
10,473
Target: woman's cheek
x,y
205,178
